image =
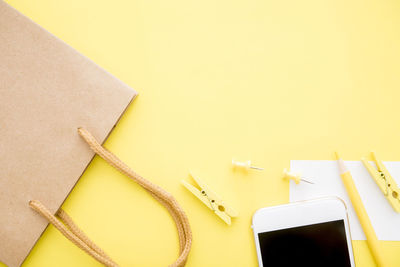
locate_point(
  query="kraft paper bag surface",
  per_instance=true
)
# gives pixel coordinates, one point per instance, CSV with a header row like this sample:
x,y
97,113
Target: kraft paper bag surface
x,y
47,91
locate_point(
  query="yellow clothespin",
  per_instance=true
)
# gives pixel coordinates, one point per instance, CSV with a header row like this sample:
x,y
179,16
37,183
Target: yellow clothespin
x,y
211,200
385,181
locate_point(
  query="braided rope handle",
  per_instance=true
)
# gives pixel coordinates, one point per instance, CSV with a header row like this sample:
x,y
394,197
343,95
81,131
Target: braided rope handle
x,y
72,233
68,228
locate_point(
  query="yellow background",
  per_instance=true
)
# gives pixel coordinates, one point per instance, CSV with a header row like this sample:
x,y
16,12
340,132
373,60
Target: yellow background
x,y
263,80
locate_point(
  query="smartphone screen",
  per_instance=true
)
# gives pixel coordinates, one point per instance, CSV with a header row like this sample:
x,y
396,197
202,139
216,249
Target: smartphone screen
x,y
321,244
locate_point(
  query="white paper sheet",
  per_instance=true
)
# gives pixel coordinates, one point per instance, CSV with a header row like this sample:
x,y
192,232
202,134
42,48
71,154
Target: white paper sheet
x,y
325,175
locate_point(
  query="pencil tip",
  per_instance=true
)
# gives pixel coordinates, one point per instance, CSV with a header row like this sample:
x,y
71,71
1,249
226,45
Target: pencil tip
x,y
342,166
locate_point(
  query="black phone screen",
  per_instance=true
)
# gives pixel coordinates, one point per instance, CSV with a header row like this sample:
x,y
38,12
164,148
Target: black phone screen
x,y
321,244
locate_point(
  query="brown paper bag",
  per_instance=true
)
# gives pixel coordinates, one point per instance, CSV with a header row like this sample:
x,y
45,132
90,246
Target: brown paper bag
x,y
47,91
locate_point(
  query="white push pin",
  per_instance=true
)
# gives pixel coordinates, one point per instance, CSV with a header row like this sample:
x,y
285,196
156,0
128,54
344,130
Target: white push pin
x,y
245,165
296,177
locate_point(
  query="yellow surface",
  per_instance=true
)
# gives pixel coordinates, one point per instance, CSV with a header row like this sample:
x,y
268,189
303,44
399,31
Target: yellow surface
x,y
267,80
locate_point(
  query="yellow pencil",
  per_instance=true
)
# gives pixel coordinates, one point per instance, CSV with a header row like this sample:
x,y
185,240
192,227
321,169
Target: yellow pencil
x,y
362,215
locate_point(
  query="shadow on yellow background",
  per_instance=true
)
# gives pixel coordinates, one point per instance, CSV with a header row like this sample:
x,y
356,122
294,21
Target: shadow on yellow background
x,y
268,81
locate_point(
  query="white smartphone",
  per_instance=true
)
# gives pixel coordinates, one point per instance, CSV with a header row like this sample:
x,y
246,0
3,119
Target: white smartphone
x,y
306,233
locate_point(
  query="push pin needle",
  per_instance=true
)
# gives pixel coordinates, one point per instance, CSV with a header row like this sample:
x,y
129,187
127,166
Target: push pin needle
x,y
294,176
246,165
